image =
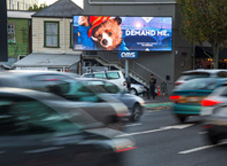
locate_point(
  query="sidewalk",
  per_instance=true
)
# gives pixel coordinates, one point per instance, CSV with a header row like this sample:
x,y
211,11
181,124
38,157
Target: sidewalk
x,y
160,102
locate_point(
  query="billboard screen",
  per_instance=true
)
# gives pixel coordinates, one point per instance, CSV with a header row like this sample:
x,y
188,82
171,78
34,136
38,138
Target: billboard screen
x,y
110,33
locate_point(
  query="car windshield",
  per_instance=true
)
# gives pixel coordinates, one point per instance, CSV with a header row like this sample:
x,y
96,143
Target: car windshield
x,y
21,117
190,76
102,87
206,84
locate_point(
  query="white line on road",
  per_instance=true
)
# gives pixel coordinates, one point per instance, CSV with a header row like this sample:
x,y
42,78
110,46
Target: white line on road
x,y
201,148
132,125
179,127
202,132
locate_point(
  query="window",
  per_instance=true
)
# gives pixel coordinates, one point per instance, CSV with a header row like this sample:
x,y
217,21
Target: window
x,y
51,34
71,35
100,75
113,75
222,74
88,76
11,33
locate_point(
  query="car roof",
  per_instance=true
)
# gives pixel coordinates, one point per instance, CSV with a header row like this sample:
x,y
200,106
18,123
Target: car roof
x,y
103,72
204,71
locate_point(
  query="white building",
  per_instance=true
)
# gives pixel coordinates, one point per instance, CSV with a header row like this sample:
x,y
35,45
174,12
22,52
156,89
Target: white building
x,y
20,4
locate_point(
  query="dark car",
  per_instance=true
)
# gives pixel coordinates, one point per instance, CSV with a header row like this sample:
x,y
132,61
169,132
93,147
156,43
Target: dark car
x,y
187,97
107,89
56,82
41,129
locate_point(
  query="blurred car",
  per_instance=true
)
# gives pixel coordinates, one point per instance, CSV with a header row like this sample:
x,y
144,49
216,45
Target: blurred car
x,y
42,129
117,77
187,97
201,73
216,124
108,90
55,82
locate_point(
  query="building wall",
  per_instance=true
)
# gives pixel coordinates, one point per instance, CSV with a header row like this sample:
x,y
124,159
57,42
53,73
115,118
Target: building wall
x,y
21,45
64,38
162,63
20,4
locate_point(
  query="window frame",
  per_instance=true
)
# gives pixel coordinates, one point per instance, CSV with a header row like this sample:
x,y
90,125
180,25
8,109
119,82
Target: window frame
x,y
58,35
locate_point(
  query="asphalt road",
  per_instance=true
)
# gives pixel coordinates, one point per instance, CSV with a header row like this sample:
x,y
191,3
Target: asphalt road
x,y
162,141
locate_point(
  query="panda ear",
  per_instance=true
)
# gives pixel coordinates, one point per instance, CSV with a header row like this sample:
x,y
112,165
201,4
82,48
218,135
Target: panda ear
x,y
118,20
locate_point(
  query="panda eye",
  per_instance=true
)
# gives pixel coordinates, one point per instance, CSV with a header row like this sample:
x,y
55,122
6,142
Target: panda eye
x,y
110,33
99,35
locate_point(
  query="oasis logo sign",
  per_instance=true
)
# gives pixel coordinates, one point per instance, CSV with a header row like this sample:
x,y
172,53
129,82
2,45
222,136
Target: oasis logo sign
x,y
128,54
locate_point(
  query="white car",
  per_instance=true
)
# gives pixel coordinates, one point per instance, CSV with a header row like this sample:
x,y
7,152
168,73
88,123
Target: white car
x,y
117,78
201,73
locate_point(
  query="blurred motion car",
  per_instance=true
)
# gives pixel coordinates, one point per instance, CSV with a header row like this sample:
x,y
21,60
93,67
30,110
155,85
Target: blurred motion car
x,y
216,124
42,129
187,97
201,73
55,82
117,77
106,88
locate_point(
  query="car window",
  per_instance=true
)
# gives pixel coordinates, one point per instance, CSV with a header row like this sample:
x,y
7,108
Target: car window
x,y
25,117
206,84
222,74
111,88
88,76
100,75
113,75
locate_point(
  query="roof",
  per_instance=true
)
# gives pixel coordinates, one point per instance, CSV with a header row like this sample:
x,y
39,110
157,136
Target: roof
x,y
47,60
20,14
60,9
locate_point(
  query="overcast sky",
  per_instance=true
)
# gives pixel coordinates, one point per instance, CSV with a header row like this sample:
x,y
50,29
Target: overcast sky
x,y
49,2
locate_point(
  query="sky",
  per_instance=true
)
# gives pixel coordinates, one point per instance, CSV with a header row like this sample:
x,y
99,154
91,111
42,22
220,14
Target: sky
x,y
49,2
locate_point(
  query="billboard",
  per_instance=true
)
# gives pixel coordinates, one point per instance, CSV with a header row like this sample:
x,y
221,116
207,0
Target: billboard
x,y
92,33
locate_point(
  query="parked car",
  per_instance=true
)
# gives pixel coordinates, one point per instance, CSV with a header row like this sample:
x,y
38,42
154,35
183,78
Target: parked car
x,y
117,77
55,82
216,124
107,89
42,129
201,73
187,97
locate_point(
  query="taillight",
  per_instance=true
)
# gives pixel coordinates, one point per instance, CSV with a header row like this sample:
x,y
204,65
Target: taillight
x,y
178,83
124,83
125,149
123,115
176,97
208,102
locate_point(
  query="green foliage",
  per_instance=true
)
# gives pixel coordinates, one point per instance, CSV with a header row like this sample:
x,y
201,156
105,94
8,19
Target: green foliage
x,y
35,7
205,21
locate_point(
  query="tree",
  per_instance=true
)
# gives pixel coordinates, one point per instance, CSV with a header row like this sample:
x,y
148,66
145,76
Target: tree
x,y
205,21
35,7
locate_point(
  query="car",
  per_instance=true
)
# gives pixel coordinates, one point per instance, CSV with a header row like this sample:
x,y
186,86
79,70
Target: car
x,y
187,97
43,129
117,77
201,73
108,113
108,89
215,124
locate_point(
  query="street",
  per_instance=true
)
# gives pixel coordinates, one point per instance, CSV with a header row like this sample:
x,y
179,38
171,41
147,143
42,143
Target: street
x,y
162,141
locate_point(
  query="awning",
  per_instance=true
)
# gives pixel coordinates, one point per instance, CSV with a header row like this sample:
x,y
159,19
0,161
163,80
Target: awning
x,y
200,54
48,60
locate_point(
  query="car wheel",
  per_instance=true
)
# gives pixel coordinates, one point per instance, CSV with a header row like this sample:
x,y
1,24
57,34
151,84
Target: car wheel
x,y
135,117
181,118
212,138
133,91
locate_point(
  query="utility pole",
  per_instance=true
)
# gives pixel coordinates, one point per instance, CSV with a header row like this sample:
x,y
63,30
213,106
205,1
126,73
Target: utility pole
x,y
3,32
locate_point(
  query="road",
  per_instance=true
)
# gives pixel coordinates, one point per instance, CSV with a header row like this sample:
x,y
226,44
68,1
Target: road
x,y
162,141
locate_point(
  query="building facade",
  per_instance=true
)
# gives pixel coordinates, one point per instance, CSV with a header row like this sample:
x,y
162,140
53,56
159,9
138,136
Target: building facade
x,y
20,4
166,66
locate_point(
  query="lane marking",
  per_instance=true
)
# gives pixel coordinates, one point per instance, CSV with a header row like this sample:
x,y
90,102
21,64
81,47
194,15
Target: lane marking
x,y
132,125
179,127
201,148
202,132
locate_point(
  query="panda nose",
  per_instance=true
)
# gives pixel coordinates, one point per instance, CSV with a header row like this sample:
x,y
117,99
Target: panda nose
x,y
104,42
